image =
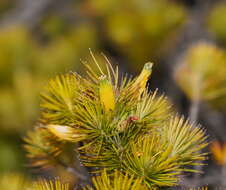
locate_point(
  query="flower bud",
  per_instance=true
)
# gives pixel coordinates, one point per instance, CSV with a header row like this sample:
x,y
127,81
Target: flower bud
x,y
142,79
107,97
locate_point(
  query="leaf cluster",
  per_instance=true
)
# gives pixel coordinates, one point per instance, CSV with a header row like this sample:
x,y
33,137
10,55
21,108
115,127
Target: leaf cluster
x,y
115,181
202,74
118,125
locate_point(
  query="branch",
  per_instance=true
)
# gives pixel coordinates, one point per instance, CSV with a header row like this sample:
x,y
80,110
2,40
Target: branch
x,y
27,12
214,178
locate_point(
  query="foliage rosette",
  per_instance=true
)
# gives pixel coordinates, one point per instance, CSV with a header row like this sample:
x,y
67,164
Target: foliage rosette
x,y
202,74
116,124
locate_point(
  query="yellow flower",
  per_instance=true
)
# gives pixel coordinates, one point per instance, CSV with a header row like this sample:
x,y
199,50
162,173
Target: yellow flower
x,y
107,97
142,79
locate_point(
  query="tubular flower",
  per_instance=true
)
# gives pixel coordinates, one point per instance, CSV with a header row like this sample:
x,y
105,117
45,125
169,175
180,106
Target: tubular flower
x,y
107,97
142,79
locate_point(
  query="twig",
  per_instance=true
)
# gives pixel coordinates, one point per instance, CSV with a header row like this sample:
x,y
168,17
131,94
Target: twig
x,y
223,176
27,12
78,174
194,110
215,178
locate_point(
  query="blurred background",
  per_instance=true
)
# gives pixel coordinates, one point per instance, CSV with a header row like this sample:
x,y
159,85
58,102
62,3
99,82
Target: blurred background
x,y
186,39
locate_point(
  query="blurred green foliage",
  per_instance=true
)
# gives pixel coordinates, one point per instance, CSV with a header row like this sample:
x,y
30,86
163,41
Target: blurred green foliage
x,y
138,29
11,153
5,5
25,65
217,22
28,58
202,74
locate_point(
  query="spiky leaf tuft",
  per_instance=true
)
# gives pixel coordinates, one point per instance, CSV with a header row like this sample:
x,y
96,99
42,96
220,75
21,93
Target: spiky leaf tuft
x,y
117,125
116,181
58,100
42,149
50,185
186,140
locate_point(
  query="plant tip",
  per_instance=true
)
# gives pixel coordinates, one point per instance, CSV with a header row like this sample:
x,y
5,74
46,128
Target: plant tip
x,y
148,66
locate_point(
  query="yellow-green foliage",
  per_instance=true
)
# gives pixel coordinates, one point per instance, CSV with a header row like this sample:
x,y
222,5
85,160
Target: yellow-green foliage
x,y
64,51
50,185
139,28
14,182
135,132
11,152
216,22
43,150
53,26
17,85
25,64
17,181
116,181
202,74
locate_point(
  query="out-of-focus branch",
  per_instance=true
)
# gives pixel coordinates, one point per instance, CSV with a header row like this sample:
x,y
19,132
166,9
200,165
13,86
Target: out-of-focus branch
x,y
215,120
26,12
194,110
193,31
215,178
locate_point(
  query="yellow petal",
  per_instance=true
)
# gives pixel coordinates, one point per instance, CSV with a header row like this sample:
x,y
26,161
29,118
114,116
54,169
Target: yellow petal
x,y
61,131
